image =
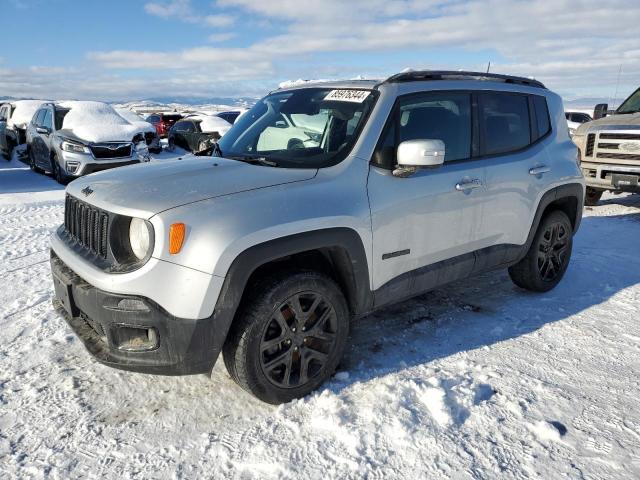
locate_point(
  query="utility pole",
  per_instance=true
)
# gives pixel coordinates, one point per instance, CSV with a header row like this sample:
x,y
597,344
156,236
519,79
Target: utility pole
x,y
489,67
615,95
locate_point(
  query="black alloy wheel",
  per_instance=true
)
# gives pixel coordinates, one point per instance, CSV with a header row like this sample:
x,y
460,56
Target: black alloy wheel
x,y
552,251
298,339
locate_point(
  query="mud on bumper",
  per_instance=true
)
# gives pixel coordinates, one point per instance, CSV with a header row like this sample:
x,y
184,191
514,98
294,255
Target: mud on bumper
x,y
129,332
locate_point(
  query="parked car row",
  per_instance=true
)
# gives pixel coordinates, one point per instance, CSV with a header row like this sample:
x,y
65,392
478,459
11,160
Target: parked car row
x,y
163,122
74,138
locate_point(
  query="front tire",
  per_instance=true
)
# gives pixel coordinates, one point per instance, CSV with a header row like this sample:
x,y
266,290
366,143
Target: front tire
x,y
7,155
58,173
592,196
288,337
548,257
32,162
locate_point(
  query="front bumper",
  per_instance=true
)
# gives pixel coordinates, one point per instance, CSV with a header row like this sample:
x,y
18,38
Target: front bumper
x,y
617,178
131,332
79,164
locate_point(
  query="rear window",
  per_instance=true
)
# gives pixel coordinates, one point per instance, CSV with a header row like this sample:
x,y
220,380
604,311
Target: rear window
x,y
505,122
171,118
153,118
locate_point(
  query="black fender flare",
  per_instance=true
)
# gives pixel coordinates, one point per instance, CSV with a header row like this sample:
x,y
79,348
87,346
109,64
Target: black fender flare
x,y
563,192
350,257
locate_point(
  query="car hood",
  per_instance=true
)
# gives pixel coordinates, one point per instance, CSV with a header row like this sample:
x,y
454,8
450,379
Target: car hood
x,y
146,189
612,122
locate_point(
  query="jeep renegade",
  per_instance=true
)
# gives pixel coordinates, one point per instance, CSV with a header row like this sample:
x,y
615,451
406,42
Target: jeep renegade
x,y
322,203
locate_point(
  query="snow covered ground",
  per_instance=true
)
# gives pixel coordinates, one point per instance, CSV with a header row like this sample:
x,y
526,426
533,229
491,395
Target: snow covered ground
x,y
474,380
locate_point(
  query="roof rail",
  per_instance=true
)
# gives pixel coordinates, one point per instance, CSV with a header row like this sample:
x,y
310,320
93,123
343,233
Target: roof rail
x,y
424,75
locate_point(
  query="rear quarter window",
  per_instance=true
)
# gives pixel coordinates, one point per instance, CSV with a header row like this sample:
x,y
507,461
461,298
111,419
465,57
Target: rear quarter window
x,y
542,116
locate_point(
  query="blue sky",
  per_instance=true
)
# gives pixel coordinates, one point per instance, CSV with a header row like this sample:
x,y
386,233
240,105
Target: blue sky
x,y
133,49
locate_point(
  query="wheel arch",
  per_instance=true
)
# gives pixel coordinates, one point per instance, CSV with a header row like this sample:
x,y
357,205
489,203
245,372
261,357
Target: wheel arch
x,y
567,198
339,252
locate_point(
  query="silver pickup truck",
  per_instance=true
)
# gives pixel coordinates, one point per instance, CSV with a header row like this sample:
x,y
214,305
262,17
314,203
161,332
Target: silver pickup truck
x,y
610,150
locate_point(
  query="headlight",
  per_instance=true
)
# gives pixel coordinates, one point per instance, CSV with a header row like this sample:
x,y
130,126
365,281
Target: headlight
x,y
74,147
139,238
572,132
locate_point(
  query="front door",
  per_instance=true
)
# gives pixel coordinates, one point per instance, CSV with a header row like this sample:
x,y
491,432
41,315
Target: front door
x,y
426,226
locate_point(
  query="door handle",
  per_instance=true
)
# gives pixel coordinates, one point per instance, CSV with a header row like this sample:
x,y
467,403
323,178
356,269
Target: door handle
x,y
539,170
468,185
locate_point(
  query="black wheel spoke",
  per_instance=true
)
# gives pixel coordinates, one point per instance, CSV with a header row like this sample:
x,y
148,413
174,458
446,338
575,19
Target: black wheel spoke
x,y
278,361
267,344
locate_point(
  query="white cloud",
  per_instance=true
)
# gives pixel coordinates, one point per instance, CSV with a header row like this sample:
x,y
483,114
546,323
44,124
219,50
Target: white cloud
x,y
221,37
183,10
219,20
574,46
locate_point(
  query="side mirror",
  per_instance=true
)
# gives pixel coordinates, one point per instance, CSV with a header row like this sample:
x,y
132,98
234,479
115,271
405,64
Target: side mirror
x,y
43,130
415,154
600,111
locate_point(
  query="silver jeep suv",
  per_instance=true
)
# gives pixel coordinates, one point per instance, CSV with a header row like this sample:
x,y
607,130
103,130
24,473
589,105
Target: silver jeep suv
x,y
322,203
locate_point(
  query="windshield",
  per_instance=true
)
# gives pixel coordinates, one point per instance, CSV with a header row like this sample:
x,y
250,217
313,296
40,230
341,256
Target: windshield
x,y
631,104
306,128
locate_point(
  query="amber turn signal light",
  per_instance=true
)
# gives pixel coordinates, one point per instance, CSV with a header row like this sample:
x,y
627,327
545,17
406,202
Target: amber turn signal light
x,y
176,237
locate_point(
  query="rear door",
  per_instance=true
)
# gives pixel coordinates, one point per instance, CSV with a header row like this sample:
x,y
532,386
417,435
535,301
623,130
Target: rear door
x,y
514,129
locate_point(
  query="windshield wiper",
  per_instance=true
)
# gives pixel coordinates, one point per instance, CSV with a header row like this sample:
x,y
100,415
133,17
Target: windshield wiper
x,y
254,160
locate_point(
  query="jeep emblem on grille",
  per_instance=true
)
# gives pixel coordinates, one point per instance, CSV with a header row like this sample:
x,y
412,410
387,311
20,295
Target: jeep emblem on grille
x,y
87,191
630,146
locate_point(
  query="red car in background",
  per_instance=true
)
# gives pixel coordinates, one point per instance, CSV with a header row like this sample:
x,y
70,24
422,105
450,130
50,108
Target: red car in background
x,y
163,122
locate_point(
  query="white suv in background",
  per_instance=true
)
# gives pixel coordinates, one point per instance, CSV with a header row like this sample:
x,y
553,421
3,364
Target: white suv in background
x,y
386,189
71,139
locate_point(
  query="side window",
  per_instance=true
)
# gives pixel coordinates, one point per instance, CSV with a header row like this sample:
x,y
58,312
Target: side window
x,y
542,115
504,120
442,116
3,114
184,127
39,117
48,120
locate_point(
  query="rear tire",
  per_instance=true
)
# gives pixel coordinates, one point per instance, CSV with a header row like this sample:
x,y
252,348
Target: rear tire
x,y
171,146
289,337
592,196
548,257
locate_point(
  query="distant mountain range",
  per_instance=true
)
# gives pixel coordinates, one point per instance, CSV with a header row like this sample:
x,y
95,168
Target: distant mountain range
x,y
240,101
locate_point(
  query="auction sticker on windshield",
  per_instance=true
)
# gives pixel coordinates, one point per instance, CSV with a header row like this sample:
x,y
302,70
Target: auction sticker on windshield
x,y
356,96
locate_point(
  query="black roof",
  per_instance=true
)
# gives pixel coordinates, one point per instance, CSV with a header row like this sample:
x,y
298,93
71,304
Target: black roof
x,y
424,75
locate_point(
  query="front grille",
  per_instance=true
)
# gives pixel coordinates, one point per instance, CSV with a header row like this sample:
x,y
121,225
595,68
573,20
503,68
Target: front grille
x,y
619,136
111,150
618,156
591,140
87,225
